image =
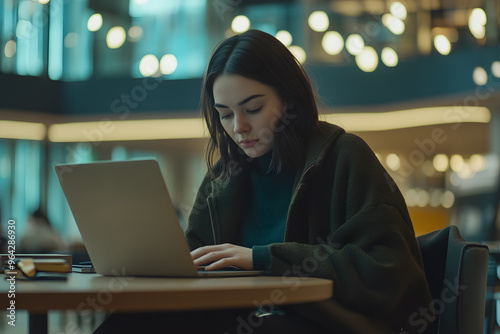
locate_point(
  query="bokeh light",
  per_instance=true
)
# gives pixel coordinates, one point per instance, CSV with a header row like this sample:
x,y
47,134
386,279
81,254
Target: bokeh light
x,y
457,162
495,69
442,44
284,37
298,53
116,37
10,49
440,162
447,199
168,64
477,162
393,162
149,65
477,22
318,21
367,60
398,10
354,44
95,22
135,33
479,76
389,57
332,43
394,24
240,24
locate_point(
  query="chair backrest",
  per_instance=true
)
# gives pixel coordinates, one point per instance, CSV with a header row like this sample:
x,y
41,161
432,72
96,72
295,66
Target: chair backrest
x,y
456,271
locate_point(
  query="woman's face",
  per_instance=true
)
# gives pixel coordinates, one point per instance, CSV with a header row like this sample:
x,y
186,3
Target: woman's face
x,y
249,111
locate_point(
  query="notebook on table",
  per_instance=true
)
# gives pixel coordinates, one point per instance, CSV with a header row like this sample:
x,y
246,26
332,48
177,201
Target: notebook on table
x,y
127,220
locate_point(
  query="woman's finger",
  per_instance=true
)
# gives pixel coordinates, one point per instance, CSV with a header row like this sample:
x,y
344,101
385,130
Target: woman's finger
x,y
212,256
198,252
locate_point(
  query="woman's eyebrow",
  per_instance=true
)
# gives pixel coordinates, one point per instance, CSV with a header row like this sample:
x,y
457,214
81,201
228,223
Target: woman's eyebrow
x,y
248,99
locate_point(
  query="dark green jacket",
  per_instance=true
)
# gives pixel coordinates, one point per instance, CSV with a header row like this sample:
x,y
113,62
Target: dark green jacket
x,y
347,222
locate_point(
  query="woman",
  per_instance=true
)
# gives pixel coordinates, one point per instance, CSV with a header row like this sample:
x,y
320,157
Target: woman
x,y
293,196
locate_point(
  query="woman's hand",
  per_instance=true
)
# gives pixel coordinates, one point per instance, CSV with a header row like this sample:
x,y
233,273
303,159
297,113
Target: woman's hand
x,y
224,255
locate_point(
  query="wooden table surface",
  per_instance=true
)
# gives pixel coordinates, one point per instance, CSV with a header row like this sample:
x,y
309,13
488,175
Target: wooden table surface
x,y
92,292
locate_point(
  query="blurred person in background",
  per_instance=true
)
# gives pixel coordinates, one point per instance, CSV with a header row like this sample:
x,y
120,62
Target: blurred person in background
x,y
40,237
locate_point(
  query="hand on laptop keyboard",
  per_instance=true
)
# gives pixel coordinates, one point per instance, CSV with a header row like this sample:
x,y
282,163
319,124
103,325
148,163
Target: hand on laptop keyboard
x,y
216,257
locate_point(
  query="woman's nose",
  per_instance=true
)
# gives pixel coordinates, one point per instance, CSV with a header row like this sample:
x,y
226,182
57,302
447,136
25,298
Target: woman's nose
x,y
241,124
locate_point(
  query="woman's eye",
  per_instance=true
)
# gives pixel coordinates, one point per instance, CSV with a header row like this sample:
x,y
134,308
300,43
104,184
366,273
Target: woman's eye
x,y
225,116
254,110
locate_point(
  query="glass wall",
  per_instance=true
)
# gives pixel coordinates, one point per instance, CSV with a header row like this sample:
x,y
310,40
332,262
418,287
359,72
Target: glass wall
x,y
21,164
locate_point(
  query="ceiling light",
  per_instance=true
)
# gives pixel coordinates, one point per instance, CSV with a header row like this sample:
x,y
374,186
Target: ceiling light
x,y
153,129
95,22
389,57
457,162
393,162
298,53
367,60
495,69
440,162
394,24
116,37
22,130
284,37
410,118
332,43
479,76
477,22
318,21
168,64
149,65
477,162
442,44
354,44
240,24
398,10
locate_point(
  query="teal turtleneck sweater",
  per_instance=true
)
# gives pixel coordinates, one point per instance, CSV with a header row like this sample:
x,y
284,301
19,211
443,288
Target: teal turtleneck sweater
x,y
266,217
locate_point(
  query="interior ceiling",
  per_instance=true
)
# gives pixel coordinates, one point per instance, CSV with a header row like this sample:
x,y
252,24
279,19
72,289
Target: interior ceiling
x,y
466,139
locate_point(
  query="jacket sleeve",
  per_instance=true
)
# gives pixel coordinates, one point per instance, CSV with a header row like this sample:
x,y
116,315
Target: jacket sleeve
x,y
370,251
199,229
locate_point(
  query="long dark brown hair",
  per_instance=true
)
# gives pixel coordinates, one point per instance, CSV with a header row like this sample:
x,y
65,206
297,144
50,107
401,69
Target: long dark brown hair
x,y
261,57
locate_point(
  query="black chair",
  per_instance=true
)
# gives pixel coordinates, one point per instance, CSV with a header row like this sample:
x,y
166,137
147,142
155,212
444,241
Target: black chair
x,y
456,271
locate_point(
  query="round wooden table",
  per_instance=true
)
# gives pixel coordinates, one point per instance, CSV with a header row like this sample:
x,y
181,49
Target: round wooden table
x,y
95,293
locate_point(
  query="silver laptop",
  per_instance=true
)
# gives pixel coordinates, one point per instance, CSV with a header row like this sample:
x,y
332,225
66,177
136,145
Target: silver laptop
x,y
127,220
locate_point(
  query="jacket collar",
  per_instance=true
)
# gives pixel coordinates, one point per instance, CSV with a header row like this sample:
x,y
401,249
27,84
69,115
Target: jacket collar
x,y
322,138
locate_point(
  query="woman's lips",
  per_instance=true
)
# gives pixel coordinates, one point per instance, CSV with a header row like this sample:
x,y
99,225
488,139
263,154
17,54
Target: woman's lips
x,y
248,143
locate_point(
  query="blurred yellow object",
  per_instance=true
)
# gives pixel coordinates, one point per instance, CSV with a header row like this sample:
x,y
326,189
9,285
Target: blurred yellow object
x,y
22,130
27,266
